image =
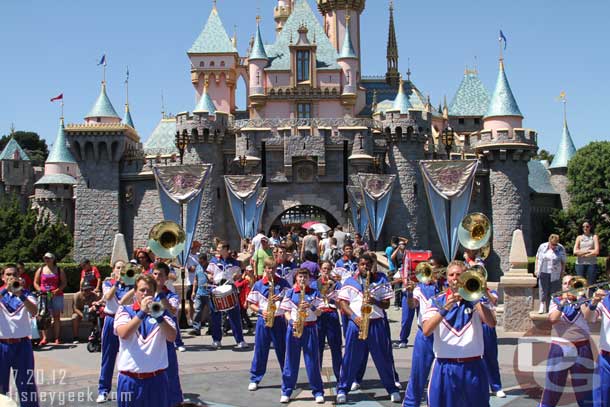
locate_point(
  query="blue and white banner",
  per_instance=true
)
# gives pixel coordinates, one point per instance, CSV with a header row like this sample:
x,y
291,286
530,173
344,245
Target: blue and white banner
x,y
242,191
448,185
360,218
261,200
376,191
179,186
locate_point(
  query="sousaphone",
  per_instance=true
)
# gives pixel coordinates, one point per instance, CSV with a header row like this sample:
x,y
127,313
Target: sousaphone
x,y
167,239
474,231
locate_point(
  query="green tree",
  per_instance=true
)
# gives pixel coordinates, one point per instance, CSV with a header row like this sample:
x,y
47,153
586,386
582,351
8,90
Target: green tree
x,y
34,146
544,155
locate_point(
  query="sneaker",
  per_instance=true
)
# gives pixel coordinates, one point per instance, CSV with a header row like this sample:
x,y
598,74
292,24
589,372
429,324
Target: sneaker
x,y
76,341
355,386
216,344
397,384
402,345
341,398
284,399
181,349
242,345
101,398
500,394
395,397
195,333
320,399
253,386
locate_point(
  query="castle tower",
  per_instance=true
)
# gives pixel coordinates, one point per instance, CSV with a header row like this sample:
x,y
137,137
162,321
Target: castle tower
x,y
214,57
392,75
16,172
348,61
54,193
559,166
281,12
102,111
257,61
506,148
335,23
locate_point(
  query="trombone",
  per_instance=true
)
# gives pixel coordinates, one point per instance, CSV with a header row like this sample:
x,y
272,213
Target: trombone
x,y
471,284
578,287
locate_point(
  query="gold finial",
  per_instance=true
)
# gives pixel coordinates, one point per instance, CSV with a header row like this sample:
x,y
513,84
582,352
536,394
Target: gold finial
x,y
214,6
258,19
347,18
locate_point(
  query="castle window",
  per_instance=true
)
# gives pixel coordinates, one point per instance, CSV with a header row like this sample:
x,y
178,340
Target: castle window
x,y
302,66
201,64
212,64
304,111
477,120
461,120
222,63
98,119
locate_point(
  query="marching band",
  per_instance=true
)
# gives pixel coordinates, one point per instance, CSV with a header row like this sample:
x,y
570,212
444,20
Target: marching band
x,y
455,345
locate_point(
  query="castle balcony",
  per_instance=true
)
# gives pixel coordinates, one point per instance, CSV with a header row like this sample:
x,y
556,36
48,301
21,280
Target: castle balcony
x,y
320,123
291,93
518,138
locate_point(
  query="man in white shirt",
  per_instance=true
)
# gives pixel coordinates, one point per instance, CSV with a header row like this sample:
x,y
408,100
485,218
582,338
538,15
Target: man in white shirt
x,y
16,307
458,331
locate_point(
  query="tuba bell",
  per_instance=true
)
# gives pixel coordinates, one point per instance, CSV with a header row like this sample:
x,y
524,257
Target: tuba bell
x,y
474,231
166,239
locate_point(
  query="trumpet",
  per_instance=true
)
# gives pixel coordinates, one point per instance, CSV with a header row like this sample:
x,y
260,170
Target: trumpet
x,y
474,231
15,287
156,309
578,287
129,277
167,239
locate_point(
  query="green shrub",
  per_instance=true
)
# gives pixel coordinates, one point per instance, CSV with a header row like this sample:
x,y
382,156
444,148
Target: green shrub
x,y
72,271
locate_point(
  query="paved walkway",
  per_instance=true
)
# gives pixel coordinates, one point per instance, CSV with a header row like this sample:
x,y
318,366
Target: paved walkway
x,y
67,376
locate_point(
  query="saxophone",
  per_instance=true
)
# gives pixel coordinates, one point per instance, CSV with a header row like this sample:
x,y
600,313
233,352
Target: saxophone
x,y
366,309
271,307
299,324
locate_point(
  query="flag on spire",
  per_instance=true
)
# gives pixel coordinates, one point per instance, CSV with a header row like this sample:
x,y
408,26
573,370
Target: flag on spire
x,y
102,60
502,38
58,97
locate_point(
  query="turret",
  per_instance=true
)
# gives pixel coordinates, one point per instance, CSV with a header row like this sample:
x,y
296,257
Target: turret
x,y
102,110
257,61
503,111
348,60
559,166
335,23
127,117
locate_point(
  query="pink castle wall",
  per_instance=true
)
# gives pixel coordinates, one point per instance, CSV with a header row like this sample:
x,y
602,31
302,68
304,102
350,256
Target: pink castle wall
x,y
57,168
502,122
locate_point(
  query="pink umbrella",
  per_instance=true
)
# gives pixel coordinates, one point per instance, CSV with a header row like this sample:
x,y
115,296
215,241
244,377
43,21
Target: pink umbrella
x,y
309,224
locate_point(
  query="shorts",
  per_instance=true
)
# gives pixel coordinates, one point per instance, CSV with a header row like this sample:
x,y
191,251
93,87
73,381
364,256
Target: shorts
x,y
189,292
56,305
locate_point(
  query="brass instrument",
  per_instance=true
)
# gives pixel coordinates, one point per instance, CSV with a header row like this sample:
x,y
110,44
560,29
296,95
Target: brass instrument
x,y
15,287
473,284
156,309
424,272
129,276
271,307
366,309
578,287
299,324
474,231
167,239
324,289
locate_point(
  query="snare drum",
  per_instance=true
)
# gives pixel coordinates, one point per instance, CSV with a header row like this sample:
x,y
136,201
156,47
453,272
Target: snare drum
x,y
225,297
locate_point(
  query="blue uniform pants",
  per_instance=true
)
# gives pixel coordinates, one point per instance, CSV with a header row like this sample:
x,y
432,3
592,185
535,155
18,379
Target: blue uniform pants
x,y
601,392
344,323
356,352
308,342
110,349
20,358
143,393
423,357
262,338
407,319
174,393
490,356
330,328
458,384
580,366
234,320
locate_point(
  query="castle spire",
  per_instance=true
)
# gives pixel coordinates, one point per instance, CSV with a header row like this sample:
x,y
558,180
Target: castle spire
x,y
503,101
102,106
205,104
566,149
392,75
347,51
258,49
127,117
401,103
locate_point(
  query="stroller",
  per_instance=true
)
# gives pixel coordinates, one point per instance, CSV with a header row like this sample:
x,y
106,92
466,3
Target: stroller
x,y
94,315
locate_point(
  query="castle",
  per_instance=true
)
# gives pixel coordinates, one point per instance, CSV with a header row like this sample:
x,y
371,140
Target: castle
x,y
313,122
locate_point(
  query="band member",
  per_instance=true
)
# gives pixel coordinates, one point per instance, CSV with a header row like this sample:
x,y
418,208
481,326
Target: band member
x,y
457,328
403,278
348,265
116,292
377,344
329,327
600,308
219,266
302,308
142,363
258,300
171,303
423,352
490,356
16,307
570,338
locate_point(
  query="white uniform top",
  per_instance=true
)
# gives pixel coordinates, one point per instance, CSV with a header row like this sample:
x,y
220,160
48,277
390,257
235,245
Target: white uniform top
x,y
424,302
260,293
351,291
572,325
14,317
146,350
291,300
460,333
603,312
112,305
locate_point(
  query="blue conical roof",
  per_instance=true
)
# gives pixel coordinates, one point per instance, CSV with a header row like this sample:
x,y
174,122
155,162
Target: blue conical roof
x,y
205,104
213,38
347,50
401,103
9,151
258,49
127,117
60,153
503,101
566,149
102,106
471,98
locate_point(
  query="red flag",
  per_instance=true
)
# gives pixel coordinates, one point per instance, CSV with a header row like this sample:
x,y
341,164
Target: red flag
x,y
58,97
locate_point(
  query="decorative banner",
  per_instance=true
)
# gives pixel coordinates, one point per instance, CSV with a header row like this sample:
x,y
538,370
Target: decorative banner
x,y
180,185
242,191
261,200
376,190
448,185
359,216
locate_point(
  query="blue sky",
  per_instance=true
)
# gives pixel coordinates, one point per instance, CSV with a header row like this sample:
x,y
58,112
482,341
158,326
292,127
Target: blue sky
x,y
50,47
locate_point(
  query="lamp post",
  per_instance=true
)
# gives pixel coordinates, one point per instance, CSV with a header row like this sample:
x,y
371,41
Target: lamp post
x,y
447,139
182,141
242,160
